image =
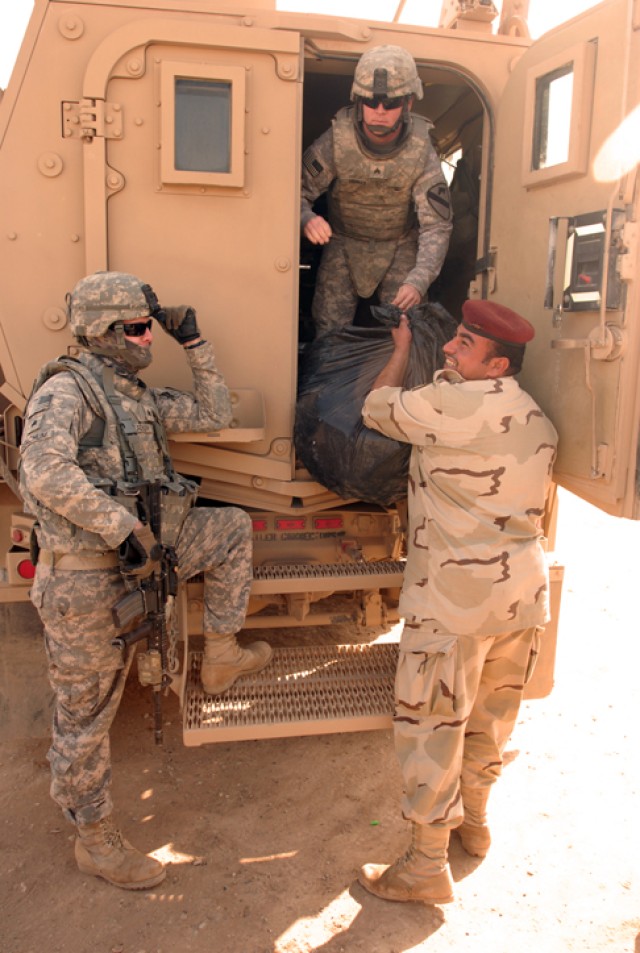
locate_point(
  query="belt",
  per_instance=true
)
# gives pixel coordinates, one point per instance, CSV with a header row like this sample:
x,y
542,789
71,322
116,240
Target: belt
x,y
77,560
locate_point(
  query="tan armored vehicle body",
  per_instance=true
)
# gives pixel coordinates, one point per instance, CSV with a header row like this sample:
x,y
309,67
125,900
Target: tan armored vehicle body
x,y
165,139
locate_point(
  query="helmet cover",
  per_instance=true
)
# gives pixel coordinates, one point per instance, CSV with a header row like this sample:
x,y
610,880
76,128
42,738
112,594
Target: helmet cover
x,y
100,300
388,71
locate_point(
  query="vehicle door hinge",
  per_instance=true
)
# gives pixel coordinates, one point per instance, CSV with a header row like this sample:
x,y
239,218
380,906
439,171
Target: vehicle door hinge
x,y
91,119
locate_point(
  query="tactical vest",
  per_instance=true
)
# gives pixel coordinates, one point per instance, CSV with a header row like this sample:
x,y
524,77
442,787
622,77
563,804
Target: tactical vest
x,y
114,424
370,199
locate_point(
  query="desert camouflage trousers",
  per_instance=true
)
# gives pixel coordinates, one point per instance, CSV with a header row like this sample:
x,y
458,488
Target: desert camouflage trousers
x,y
457,701
335,299
88,674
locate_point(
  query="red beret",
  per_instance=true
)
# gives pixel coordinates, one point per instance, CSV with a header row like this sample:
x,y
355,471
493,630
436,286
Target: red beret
x,y
492,320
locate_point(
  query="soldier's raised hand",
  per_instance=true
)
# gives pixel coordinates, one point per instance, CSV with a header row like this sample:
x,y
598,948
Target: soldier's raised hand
x,y
179,322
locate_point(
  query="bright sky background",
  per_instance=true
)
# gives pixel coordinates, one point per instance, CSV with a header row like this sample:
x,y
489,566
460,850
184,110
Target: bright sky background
x,y
543,15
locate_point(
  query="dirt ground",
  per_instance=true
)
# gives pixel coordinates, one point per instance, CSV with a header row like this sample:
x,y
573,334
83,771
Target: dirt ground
x,y
265,838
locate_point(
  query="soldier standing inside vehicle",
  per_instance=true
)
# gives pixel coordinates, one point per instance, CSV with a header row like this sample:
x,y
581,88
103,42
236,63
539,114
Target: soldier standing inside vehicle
x,y
476,583
93,430
389,213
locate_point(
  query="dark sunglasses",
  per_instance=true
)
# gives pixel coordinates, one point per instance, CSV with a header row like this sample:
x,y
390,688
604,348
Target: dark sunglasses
x,y
137,328
386,104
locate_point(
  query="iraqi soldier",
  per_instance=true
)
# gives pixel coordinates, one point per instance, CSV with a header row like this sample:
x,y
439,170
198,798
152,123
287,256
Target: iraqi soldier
x,y
93,432
475,592
389,212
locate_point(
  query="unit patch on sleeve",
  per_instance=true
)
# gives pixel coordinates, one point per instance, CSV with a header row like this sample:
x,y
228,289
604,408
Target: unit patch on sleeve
x,y
438,199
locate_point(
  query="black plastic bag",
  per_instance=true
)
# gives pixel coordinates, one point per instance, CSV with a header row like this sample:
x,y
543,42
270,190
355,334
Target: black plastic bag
x,y
337,373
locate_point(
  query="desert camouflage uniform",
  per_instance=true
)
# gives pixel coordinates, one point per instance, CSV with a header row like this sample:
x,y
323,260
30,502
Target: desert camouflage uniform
x,y
476,583
390,215
78,519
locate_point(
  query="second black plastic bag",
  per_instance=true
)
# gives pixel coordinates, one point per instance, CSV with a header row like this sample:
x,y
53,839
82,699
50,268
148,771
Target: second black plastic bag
x,y
337,373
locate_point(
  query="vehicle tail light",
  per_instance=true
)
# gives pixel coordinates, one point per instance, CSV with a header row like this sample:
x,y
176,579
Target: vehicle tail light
x,y
26,569
298,523
328,522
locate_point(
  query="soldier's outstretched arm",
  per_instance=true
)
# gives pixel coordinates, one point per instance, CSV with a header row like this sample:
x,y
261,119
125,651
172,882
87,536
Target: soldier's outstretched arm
x,y
435,221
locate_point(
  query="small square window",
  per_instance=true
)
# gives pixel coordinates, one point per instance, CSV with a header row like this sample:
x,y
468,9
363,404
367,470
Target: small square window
x,y
202,125
203,111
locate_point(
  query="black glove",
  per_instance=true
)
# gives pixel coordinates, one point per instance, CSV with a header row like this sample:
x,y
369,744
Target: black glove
x,y
179,322
139,553
151,298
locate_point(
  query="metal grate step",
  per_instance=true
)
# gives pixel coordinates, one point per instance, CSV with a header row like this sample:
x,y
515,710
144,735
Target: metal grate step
x,y
295,577
305,690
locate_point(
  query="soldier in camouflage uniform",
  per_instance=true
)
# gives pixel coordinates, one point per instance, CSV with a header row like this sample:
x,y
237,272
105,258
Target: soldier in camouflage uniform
x,y
389,213
475,593
93,430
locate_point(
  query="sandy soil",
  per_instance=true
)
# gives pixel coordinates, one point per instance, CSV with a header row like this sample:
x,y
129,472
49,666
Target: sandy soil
x,y
265,838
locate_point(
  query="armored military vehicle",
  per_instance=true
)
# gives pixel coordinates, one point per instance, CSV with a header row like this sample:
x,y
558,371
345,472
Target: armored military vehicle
x,y
164,138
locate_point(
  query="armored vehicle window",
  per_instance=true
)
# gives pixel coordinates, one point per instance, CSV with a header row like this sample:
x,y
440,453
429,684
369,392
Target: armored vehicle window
x,y
202,124
552,118
559,102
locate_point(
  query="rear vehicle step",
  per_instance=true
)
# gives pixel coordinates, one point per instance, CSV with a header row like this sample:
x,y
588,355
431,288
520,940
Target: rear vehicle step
x,y
339,577
310,690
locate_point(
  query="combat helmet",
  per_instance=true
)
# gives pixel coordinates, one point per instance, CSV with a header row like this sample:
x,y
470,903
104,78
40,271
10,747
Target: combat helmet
x,y
104,298
388,71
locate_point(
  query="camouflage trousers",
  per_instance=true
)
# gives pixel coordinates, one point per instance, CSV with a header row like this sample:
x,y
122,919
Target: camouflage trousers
x,y
335,299
88,674
457,701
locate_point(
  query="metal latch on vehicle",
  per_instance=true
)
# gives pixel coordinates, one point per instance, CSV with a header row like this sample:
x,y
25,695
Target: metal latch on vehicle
x,y
485,282
91,119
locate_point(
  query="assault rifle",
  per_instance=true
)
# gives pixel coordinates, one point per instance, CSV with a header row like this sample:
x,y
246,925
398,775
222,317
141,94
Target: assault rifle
x,y
148,600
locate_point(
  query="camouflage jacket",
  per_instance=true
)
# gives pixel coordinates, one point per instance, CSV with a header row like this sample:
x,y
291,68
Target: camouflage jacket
x,y
480,471
380,199
62,468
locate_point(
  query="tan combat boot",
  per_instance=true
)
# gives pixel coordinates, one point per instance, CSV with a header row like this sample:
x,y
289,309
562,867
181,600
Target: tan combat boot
x,y
224,661
102,851
422,874
474,832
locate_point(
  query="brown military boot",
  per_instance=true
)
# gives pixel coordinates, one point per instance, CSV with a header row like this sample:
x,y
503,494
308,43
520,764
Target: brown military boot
x,y
101,850
474,832
421,874
224,661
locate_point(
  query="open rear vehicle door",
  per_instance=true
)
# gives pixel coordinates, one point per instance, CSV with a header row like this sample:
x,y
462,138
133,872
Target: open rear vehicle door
x,y
564,241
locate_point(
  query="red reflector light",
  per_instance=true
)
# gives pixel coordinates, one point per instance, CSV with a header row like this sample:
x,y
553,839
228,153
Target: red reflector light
x,y
328,522
259,525
17,535
26,569
299,523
